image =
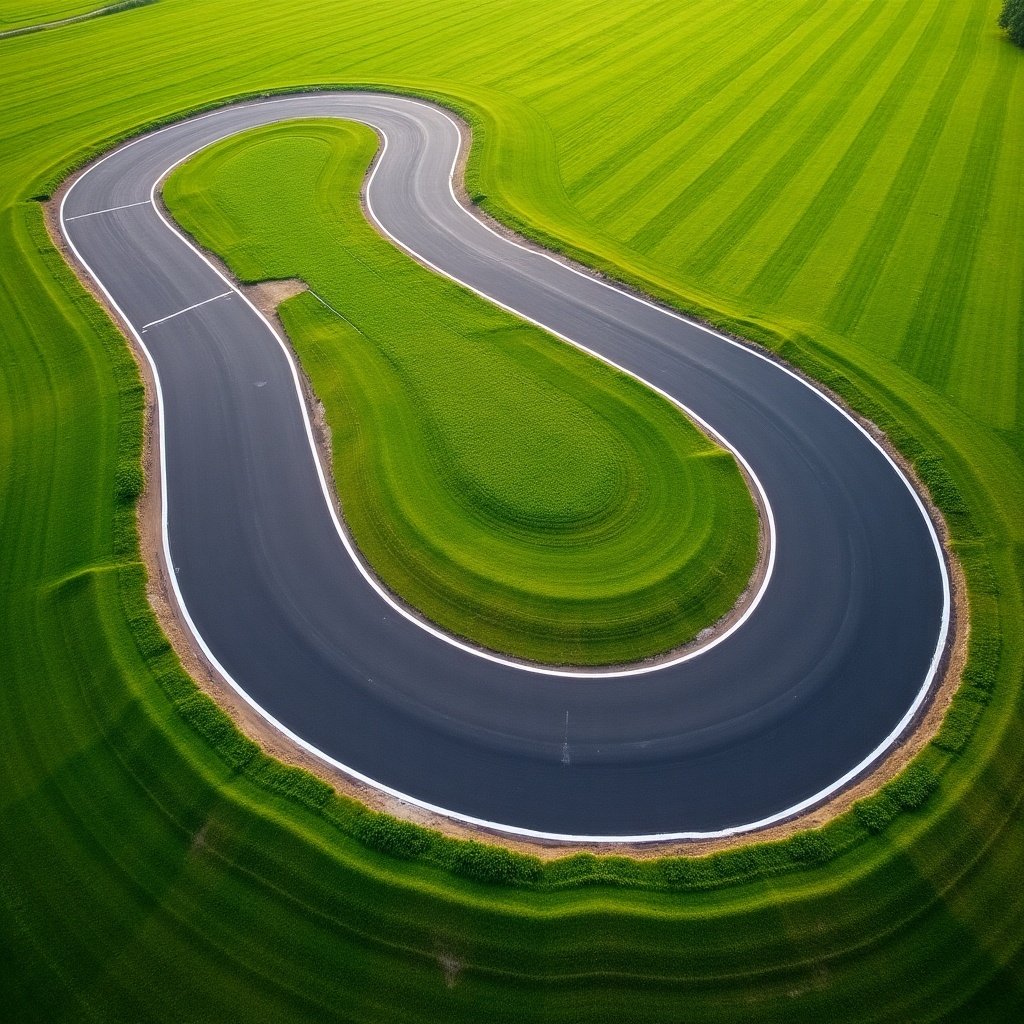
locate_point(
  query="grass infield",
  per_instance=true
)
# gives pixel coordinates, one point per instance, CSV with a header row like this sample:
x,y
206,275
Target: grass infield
x,y
517,491
839,180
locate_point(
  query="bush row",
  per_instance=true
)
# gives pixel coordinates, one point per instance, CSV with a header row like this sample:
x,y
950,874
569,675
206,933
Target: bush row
x,y
909,791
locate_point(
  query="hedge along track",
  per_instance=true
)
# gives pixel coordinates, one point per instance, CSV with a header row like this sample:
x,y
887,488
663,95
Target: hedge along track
x,y
809,690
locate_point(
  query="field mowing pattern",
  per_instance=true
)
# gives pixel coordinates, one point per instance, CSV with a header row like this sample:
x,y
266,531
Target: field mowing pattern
x,y
24,13
515,490
153,868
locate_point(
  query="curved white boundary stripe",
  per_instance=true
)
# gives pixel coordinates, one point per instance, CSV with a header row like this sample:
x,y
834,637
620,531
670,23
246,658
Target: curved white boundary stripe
x,y
789,812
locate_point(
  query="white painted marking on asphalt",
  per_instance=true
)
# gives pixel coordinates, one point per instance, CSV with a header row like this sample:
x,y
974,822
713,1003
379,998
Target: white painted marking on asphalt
x,y
349,544
109,209
187,309
654,665
772,819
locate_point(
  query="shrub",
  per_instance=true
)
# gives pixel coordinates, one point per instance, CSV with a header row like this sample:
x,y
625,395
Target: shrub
x,y
944,490
582,869
876,813
576,869
391,836
127,483
293,782
911,789
960,721
493,864
1012,19
983,661
691,873
810,848
218,730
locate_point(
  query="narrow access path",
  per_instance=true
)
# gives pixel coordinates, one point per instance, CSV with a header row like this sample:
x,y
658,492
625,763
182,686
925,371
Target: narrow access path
x,y
818,680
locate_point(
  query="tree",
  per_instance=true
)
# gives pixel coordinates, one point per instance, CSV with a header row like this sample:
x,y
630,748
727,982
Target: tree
x,y
1012,19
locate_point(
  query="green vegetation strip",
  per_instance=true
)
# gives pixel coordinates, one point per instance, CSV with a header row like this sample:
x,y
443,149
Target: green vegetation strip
x,y
517,491
153,866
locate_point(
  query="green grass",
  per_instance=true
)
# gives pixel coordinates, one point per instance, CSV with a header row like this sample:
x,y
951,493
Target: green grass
x,y
152,867
18,14
517,491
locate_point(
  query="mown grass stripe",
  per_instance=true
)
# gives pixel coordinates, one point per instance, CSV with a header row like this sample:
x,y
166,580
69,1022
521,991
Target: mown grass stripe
x,y
849,301
939,311
416,39
716,33
759,200
605,29
984,376
673,131
666,161
795,249
736,156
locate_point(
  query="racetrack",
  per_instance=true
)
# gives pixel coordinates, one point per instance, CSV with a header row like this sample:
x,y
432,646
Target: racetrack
x,y
815,684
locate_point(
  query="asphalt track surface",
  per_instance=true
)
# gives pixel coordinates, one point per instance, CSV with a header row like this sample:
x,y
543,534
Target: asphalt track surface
x,y
822,677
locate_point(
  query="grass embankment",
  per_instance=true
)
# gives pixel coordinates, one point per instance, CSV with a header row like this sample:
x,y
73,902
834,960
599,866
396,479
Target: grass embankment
x,y
517,491
149,871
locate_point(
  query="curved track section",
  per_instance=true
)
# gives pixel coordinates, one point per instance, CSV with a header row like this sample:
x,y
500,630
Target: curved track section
x,y
818,681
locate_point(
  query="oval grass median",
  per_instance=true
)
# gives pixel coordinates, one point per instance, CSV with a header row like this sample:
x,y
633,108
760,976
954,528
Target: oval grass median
x,y
515,490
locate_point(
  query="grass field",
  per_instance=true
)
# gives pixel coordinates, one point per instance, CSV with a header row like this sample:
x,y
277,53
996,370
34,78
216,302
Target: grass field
x,y
516,491
16,14
837,179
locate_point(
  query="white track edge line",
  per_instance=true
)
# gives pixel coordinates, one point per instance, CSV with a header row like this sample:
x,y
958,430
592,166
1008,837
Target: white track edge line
x,y
347,541
796,809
